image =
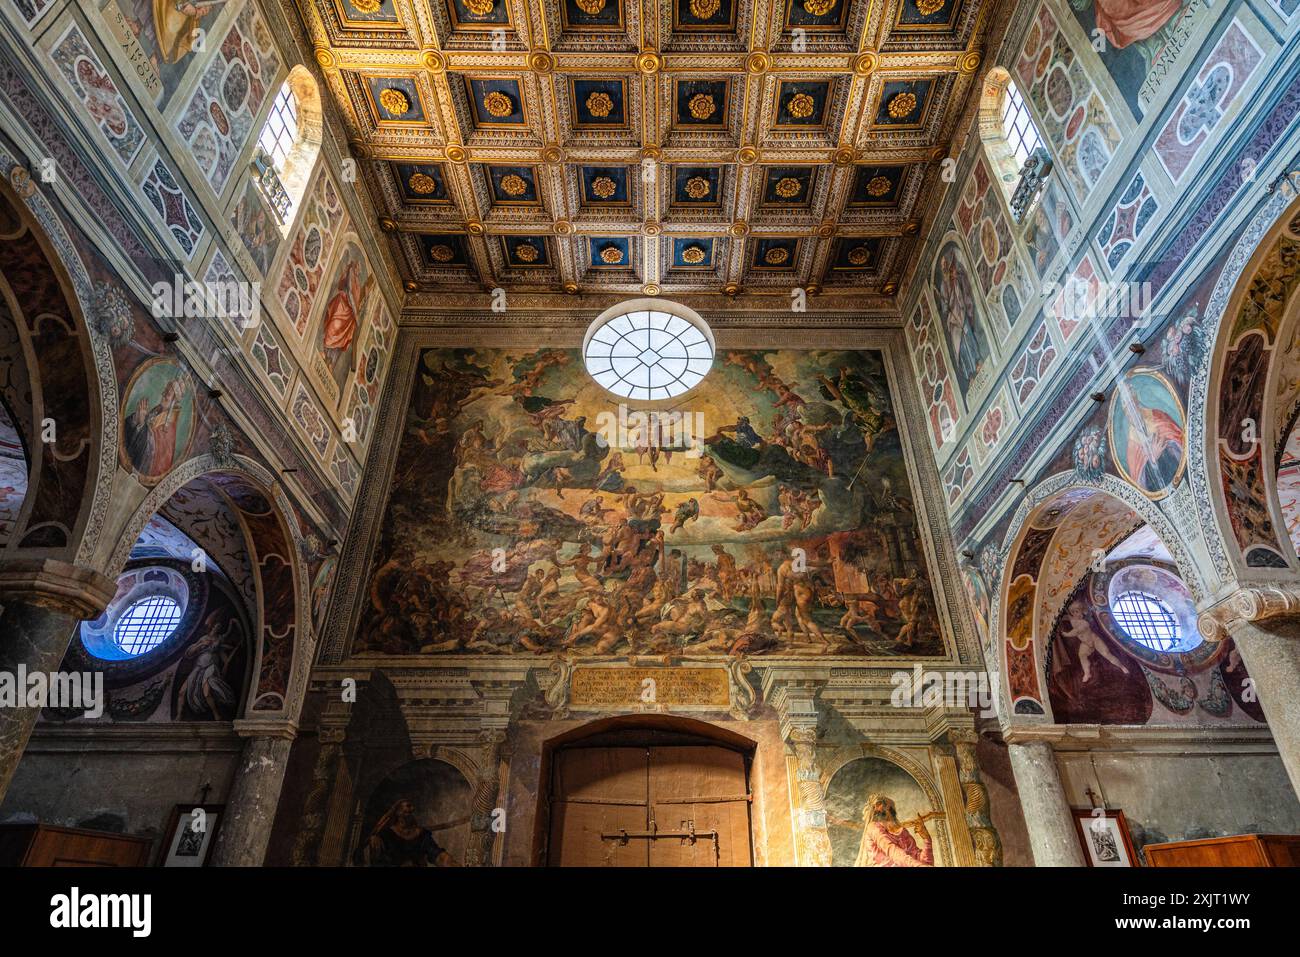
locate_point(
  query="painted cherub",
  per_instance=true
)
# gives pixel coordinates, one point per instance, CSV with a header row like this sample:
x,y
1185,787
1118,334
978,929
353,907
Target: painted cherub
x,y
1076,626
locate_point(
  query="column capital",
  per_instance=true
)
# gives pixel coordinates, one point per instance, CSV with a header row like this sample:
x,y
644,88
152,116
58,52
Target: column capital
x,y
1248,604
262,728
58,586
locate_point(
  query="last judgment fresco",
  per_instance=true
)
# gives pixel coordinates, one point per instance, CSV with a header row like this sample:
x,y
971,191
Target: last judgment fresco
x,y
532,514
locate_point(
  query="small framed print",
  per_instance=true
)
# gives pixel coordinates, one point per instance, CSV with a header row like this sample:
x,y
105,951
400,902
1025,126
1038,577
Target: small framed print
x,y
191,834
1105,838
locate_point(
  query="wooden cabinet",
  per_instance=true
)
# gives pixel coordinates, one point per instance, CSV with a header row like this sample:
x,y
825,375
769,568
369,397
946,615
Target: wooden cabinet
x,y
42,845
1243,850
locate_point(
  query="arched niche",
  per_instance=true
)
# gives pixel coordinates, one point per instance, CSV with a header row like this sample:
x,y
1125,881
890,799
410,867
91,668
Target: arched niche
x,y
56,380
440,796
1064,527
853,777
1244,395
278,591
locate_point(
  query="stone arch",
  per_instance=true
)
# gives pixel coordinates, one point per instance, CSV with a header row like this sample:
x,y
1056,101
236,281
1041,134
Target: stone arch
x,y
282,612
59,323
1251,311
1023,589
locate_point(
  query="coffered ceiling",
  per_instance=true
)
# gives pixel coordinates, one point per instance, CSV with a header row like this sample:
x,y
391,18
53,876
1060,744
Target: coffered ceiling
x,y
693,147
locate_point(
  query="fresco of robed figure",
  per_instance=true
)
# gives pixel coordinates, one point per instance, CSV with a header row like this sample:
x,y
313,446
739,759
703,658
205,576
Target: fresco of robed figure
x,y
774,517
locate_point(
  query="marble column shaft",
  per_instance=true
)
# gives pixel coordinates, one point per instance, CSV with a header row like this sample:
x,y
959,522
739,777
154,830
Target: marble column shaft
x,y
250,809
1052,835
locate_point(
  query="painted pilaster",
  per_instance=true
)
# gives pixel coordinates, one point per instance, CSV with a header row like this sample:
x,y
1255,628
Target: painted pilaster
x,y
794,696
984,836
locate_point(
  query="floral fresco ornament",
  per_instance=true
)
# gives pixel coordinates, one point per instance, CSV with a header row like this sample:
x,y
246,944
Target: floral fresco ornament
x,y
901,105
1183,347
600,104
498,104
113,317
394,101
603,187
221,446
1090,455
801,106
701,106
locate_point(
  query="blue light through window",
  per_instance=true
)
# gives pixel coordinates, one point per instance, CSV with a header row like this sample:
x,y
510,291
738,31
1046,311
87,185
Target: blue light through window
x,y
146,625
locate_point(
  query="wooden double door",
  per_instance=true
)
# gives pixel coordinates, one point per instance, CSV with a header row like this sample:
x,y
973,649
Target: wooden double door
x,y
649,806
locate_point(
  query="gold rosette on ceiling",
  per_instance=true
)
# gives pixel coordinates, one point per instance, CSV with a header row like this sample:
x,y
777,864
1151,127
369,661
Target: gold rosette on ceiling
x,y
526,253
611,255
394,101
801,106
513,185
701,106
879,185
498,104
697,187
600,104
603,187
901,104
693,255
776,255
787,187
421,183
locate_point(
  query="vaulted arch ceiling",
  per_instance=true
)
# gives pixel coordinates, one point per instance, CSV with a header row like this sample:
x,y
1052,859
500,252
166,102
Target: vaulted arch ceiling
x,y
692,147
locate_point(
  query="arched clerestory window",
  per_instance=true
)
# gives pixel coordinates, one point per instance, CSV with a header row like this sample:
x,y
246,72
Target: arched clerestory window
x,y
289,145
1020,159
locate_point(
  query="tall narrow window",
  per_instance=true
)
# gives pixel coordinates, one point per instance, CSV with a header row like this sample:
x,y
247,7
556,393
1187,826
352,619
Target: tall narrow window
x,y
1018,126
281,129
289,145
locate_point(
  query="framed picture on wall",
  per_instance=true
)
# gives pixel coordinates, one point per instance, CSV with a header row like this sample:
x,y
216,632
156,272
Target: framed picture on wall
x,y
190,835
1103,832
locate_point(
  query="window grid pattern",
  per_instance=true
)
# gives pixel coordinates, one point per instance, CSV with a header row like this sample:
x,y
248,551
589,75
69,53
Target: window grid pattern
x,y
648,355
281,129
1146,619
146,624
1018,126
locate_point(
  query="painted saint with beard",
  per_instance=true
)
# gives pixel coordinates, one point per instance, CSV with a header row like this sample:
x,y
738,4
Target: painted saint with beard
x,y
887,843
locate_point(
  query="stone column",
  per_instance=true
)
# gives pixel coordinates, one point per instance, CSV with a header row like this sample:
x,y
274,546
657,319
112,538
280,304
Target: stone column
x,y
984,836
1047,812
1265,625
41,602
255,794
